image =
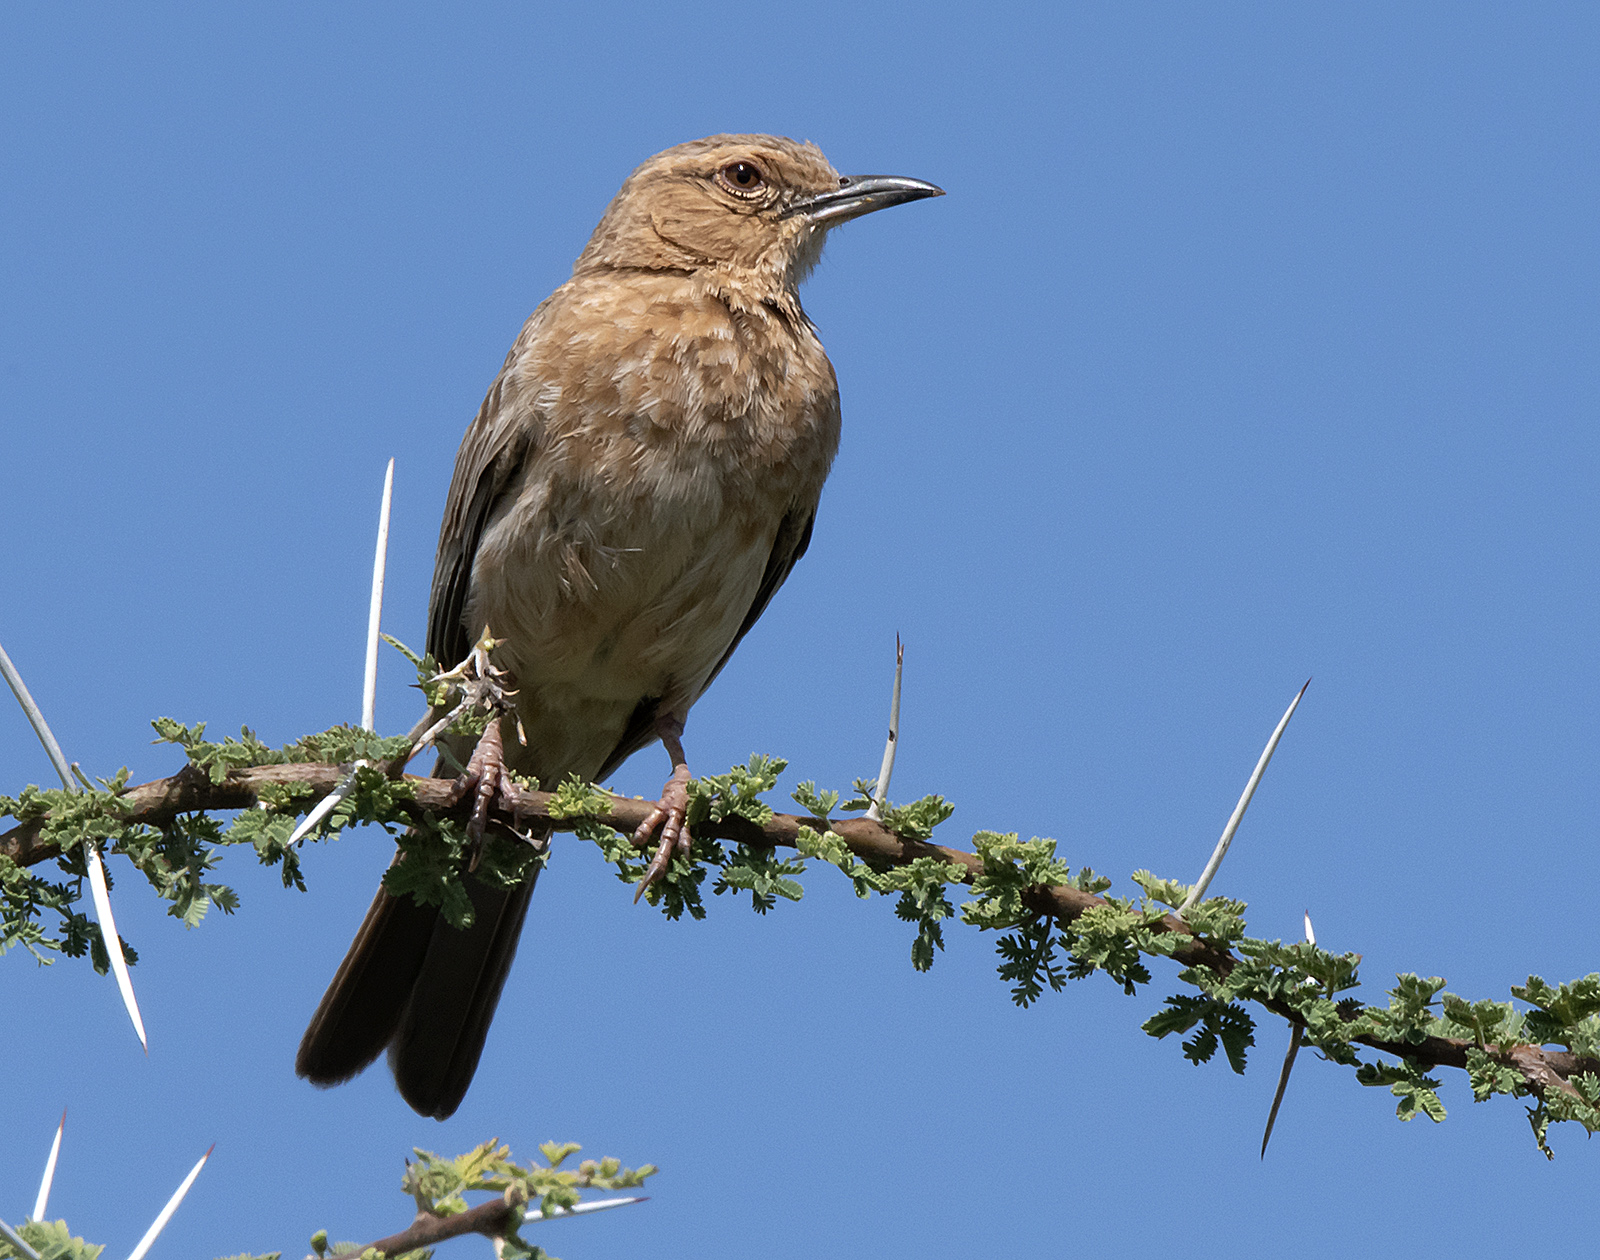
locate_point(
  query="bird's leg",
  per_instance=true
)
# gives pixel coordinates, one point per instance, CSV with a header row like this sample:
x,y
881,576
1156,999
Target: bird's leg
x,y
669,812
480,684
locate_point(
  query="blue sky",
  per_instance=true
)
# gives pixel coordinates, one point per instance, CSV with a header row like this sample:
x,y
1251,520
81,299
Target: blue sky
x,y
1251,344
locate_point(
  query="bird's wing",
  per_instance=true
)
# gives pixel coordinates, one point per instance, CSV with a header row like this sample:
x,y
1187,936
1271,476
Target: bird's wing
x,y
794,536
493,452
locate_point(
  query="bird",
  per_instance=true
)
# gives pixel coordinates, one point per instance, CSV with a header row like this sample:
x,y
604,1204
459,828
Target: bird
x,y
640,479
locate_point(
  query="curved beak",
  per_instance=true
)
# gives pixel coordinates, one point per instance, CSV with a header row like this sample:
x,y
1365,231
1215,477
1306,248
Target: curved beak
x,y
858,195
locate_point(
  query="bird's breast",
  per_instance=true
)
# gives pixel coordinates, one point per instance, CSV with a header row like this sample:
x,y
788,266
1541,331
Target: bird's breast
x,y
631,545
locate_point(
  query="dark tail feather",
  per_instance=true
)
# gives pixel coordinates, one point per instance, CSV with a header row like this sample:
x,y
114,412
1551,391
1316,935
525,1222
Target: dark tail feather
x,y
360,1011
435,1049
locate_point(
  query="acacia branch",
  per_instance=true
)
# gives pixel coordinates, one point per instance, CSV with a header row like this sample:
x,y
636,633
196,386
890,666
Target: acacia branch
x,y
159,802
491,1219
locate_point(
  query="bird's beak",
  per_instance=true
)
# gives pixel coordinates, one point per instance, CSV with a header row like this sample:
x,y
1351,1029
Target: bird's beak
x,y
858,195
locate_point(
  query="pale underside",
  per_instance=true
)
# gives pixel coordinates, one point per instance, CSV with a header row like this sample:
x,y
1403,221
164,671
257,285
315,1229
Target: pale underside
x,y
638,518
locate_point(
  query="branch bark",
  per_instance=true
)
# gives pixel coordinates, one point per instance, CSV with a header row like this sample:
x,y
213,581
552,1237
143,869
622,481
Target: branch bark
x,y
157,803
428,1229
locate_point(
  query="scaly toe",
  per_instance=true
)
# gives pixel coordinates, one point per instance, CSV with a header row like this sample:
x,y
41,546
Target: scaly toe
x,y
656,869
674,839
652,820
485,779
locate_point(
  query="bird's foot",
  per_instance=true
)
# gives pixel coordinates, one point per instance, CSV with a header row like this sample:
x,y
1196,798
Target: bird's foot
x,y
670,814
487,779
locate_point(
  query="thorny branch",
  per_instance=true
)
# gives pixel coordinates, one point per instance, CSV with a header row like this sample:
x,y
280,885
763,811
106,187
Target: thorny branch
x,y
491,1219
1542,1071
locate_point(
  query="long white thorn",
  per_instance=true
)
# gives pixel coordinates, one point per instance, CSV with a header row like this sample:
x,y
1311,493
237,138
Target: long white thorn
x,y
165,1215
43,1201
880,797
596,1205
323,808
1221,851
101,896
97,876
369,678
369,685
41,728
15,1239
1297,1034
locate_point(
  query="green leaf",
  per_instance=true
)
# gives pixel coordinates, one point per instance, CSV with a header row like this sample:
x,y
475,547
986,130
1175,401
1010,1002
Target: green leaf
x,y
52,1240
1169,892
917,820
1565,1015
556,1153
736,794
762,875
1029,960
1489,1076
817,804
1485,1021
1219,1023
1406,1082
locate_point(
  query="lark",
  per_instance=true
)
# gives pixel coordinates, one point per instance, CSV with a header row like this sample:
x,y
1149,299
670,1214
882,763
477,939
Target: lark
x,y
640,480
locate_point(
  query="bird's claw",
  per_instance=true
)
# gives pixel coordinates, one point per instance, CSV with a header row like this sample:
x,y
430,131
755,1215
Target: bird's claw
x,y
487,779
671,815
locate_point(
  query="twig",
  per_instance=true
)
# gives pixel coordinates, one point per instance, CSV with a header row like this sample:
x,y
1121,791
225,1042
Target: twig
x,y
880,798
422,734
491,1219
1221,851
426,730
156,804
99,894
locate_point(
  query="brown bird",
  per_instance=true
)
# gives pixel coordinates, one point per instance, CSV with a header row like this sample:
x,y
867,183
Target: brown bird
x,y
638,483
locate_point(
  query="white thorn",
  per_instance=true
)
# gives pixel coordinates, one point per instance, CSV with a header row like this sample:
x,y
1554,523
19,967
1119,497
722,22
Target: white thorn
x,y
97,875
41,728
101,897
880,797
369,684
1297,1034
597,1205
1221,851
43,1201
323,808
1295,1037
160,1223
15,1239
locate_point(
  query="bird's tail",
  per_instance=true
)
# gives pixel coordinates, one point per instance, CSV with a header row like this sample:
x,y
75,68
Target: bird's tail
x,y
422,988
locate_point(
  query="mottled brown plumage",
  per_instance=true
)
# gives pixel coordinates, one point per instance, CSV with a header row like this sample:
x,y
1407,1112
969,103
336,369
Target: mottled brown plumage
x,y
639,481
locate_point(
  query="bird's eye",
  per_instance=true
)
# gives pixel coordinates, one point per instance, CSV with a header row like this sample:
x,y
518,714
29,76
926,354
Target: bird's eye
x,y
742,177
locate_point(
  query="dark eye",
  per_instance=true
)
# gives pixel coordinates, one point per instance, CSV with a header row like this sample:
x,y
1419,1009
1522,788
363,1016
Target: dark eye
x,y
742,176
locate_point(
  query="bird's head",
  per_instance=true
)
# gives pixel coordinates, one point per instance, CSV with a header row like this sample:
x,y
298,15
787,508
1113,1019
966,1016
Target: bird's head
x,y
751,210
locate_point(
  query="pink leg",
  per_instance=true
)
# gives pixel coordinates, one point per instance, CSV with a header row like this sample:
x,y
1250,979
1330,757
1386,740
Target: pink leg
x,y
486,779
669,813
